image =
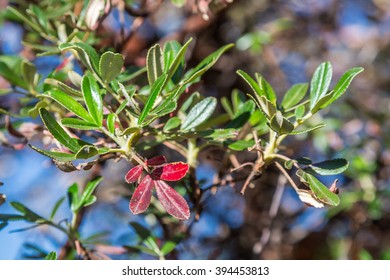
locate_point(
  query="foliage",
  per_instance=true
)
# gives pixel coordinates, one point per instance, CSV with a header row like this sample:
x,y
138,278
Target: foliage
x,y
108,111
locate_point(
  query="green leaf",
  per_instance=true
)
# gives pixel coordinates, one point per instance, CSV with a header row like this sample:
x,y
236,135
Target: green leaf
x,y
58,132
265,106
69,103
299,112
110,66
86,53
87,198
295,132
241,145
199,113
321,192
171,49
55,155
52,256
322,102
320,83
155,90
73,197
328,167
56,207
93,99
111,118
79,124
205,64
289,164
28,73
280,124
294,95
87,151
36,12
343,84
266,89
154,63
179,58
251,82
168,247
172,123
28,214
304,160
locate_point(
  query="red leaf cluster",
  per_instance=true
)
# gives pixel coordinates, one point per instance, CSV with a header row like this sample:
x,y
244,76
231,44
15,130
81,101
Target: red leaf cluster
x,y
159,172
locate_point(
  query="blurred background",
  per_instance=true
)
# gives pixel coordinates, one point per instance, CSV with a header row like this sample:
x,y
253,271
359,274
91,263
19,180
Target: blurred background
x,y
284,41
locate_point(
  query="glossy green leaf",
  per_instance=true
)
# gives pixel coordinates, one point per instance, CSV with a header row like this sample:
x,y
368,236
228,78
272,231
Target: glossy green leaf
x,y
154,63
321,192
110,66
295,132
320,83
58,132
52,256
328,167
172,123
168,247
86,53
294,95
93,99
55,155
343,84
111,119
69,103
280,124
155,90
79,124
199,113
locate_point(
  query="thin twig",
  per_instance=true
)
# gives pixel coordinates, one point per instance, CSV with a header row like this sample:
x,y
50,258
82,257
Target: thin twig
x,y
287,176
273,211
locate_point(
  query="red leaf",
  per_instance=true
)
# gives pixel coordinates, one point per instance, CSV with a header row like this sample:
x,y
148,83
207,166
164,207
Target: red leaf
x,y
173,202
134,174
155,161
142,195
171,172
